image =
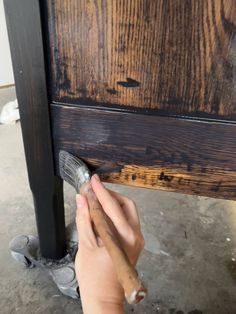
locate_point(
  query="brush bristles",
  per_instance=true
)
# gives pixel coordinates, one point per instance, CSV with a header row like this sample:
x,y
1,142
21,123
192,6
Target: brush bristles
x,y
73,170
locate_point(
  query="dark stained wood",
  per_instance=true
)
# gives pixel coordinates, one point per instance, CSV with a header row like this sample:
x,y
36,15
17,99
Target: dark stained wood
x,y
152,57
169,56
24,28
150,151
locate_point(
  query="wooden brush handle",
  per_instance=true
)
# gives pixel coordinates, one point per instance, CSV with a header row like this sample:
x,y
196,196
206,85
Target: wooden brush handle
x,y
126,273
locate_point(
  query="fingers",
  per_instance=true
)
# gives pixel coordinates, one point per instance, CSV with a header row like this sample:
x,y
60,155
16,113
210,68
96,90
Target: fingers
x,y
84,224
110,205
129,208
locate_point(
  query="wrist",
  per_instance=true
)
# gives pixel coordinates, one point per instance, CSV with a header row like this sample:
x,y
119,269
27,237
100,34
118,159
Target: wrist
x,y
105,299
91,306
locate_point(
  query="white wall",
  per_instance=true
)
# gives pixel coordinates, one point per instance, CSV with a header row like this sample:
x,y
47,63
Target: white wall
x,y
6,74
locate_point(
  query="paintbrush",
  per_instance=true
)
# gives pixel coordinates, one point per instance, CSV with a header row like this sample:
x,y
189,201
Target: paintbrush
x,y
75,172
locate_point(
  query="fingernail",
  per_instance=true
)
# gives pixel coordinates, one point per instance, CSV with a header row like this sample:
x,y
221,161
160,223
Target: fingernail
x,y
79,201
96,176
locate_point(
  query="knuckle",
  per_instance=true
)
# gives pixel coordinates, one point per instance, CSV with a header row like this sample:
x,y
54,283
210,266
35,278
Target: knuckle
x,y
141,241
132,203
136,239
132,236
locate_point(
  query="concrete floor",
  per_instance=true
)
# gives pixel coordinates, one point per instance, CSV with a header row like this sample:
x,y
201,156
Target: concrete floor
x,y
188,262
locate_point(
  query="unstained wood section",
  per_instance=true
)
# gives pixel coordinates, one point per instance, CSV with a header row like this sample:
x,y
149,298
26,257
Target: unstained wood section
x,y
172,56
175,155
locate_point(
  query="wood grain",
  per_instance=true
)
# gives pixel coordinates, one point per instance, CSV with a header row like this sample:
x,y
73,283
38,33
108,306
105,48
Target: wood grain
x,y
150,151
168,56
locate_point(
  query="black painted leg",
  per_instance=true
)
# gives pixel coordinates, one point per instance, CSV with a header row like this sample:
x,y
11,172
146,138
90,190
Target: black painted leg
x,y
49,210
26,42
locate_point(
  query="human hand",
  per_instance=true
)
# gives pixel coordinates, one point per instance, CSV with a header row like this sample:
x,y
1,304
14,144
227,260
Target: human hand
x,y
99,286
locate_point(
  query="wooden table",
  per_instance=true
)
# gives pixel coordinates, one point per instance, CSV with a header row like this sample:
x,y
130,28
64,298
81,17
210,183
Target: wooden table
x,y
144,88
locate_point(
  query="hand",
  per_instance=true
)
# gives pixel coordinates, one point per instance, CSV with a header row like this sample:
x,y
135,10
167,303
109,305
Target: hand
x,y
99,286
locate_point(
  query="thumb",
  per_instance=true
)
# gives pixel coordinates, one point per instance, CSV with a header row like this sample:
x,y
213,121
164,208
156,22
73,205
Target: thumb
x,y
86,235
